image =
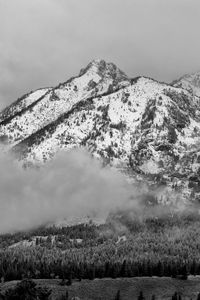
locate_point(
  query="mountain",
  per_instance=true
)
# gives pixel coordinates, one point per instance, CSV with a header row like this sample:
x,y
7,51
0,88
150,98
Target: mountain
x,y
148,129
190,82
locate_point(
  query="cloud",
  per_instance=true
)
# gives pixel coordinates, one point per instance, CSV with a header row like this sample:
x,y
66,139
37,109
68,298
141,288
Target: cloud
x,y
72,185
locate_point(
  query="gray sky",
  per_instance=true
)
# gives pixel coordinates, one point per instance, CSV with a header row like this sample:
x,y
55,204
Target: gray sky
x,y
44,42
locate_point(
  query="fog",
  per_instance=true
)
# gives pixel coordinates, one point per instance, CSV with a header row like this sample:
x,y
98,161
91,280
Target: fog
x,y
75,186
72,185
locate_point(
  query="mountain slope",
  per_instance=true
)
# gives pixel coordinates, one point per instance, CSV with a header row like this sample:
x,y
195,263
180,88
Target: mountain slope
x,y
190,82
148,129
96,79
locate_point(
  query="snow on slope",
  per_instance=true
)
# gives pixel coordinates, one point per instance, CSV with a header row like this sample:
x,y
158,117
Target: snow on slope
x,y
22,103
111,119
190,82
96,79
143,127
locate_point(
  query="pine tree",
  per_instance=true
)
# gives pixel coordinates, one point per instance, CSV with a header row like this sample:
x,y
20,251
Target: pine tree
x,y
123,272
141,297
92,272
107,269
160,269
174,271
69,282
198,296
118,297
193,268
184,272
26,289
175,296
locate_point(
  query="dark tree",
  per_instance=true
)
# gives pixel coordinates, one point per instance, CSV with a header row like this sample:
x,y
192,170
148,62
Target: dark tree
x,y
160,269
63,282
26,290
43,293
184,273
118,296
141,297
198,296
69,281
92,273
123,272
175,296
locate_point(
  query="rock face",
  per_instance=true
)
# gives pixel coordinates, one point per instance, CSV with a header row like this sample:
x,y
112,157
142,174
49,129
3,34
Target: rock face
x,y
148,129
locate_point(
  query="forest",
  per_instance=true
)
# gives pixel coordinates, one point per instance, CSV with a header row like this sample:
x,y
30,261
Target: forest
x,y
155,246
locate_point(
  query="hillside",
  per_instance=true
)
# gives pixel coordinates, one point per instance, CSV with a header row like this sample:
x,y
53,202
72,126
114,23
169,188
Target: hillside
x,y
155,247
148,129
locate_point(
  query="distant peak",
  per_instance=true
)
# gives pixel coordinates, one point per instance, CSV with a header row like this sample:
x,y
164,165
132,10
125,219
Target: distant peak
x,y
188,81
187,77
193,78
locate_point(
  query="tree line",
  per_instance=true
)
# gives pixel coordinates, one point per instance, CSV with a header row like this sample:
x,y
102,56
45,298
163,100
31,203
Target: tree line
x,y
155,247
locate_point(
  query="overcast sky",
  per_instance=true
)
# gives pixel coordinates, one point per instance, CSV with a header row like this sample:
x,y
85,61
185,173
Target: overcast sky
x,y
44,42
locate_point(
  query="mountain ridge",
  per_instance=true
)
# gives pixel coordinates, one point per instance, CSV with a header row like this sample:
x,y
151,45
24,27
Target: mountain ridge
x,y
140,125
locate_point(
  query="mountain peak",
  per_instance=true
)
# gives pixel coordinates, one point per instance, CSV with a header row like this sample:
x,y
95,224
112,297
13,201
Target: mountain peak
x,y
103,68
94,65
145,128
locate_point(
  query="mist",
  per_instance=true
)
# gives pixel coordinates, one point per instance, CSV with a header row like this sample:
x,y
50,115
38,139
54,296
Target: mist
x,y
72,185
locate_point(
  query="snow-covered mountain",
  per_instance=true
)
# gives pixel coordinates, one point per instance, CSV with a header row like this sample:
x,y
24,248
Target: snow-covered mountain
x,y
148,129
190,82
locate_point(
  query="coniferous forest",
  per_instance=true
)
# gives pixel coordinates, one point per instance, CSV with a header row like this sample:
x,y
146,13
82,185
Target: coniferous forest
x,y
166,246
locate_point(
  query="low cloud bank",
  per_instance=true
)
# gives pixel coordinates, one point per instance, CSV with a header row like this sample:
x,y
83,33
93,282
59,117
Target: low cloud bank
x,y
72,185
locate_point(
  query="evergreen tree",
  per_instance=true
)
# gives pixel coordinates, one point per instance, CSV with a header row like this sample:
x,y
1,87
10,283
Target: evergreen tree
x,y
198,296
69,281
107,269
92,272
184,273
193,268
160,269
174,271
141,297
67,295
118,296
123,272
26,289
175,296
